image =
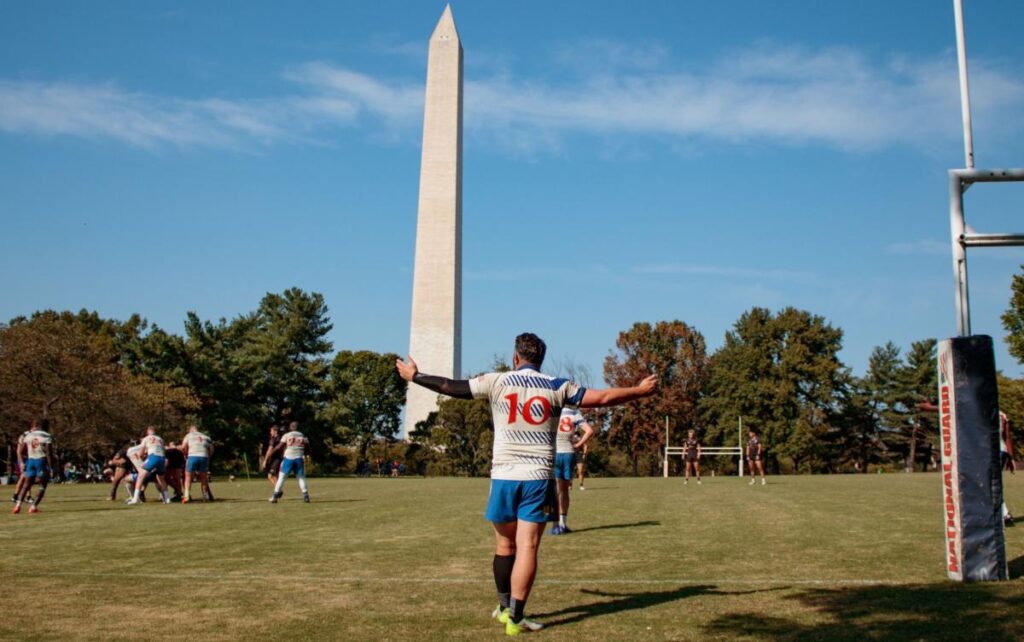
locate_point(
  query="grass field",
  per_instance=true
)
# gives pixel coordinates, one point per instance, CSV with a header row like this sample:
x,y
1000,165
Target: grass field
x,y
805,558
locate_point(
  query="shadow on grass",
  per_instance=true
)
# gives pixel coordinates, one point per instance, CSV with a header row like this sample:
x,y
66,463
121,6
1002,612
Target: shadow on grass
x,y
625,602
610,526
1017,567
947,611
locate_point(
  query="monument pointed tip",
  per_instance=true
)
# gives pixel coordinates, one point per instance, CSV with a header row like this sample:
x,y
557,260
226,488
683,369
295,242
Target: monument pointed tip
x,y
446,25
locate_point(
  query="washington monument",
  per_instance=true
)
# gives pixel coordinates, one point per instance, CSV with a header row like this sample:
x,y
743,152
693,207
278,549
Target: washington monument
x,y
436,335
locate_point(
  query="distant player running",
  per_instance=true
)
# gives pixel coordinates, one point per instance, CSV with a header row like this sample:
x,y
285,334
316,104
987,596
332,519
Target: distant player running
x,y
755,457
198,448
37,447
691,455
294,444
272,456
525,406
155,464
573,434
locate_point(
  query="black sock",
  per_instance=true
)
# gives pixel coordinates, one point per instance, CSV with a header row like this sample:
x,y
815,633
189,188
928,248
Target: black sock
x,y
39,495
503,577
517,607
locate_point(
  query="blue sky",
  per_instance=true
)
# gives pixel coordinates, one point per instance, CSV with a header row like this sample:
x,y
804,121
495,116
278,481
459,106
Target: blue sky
x,y
658,161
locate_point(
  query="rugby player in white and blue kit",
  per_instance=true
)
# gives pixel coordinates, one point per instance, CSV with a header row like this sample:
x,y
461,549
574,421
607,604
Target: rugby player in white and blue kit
x,y
198,448
526,407
155,465
573,434
36,446
294,445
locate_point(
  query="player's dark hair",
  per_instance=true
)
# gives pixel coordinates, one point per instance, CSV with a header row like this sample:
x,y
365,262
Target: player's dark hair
x,y
274,427
531,348
44,423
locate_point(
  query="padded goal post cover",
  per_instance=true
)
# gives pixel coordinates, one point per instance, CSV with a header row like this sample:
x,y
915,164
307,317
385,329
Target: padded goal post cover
x,y
972,483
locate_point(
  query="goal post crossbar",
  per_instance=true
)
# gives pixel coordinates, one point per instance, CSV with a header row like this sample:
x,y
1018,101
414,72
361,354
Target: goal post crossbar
x,y
720,451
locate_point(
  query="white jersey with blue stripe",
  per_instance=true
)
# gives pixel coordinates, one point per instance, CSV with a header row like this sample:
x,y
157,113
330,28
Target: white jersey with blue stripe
x,y
154,445
568,431
526,406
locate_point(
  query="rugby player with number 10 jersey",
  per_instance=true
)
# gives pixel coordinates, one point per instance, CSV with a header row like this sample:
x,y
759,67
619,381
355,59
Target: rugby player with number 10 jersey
x,y
525,405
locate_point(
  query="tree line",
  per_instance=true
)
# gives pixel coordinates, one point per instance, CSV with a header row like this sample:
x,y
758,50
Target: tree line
x,y
101,381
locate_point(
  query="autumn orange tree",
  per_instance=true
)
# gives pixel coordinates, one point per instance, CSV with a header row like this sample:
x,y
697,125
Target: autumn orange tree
x,y
675,352
70,369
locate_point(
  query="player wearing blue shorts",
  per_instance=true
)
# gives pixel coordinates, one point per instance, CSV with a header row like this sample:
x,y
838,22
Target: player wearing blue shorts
x,y
526,406
573,434
294,445
155,464
36,446
198,448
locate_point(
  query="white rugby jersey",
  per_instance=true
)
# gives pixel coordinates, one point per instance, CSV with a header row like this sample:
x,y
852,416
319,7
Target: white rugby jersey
x,y
294,445
526,406
154,445
135,455
35,443
568,425
198,444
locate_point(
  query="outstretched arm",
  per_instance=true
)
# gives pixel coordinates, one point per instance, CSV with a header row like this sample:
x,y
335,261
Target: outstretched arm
x,y
618,396
458,388
588,434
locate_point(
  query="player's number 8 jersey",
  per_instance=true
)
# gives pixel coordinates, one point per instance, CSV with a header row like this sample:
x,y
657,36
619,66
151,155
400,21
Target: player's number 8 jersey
x,y
294,445
526,406
35,443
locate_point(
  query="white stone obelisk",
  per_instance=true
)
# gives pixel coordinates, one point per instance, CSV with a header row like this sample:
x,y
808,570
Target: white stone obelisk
x,y
436,335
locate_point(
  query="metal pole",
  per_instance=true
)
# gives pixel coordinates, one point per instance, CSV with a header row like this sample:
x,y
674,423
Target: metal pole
x,y
957,227
664,463
740,443
965,91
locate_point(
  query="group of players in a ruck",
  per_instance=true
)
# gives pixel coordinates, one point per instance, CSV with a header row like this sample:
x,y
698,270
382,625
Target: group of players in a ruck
x,y
171,466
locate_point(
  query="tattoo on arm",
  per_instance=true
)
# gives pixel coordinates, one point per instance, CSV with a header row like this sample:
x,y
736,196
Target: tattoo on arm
x,y
458,388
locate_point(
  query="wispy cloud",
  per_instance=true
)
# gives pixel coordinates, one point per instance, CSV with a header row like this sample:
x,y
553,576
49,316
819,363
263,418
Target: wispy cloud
x,y
735,272
835,97
922,246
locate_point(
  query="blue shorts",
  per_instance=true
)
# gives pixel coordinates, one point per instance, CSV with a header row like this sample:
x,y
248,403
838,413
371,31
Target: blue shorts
x,y
296,466
197,465
36,468
530,501
563,465
135,477
155,464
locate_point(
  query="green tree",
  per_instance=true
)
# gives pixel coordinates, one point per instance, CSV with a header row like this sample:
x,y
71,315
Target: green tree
x,y
1013,318
783,375
921,379
365,395
463,430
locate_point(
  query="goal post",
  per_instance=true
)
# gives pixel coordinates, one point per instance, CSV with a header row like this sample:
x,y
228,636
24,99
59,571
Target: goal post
x,y
714,451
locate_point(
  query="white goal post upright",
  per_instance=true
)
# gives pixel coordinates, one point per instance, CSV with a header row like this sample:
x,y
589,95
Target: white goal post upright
x,y
729,451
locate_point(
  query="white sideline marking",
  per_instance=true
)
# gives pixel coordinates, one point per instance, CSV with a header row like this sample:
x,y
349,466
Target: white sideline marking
x,y
320,579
